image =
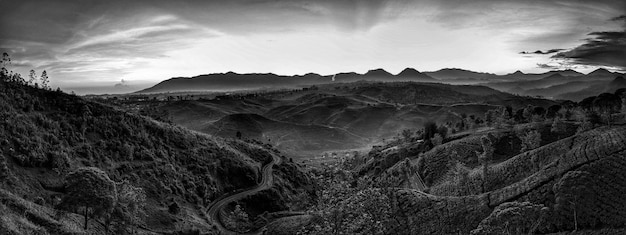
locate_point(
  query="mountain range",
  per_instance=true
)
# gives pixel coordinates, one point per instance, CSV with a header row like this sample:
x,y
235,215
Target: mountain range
x,y
516,83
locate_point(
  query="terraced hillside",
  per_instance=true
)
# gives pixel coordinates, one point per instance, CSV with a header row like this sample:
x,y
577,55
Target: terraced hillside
x,y
581,175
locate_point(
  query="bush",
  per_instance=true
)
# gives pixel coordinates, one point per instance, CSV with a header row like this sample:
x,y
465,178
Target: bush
x,y
530,140
4,169
173,208
513,218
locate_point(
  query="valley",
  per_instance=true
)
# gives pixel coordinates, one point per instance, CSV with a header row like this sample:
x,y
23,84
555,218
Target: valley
x,y
392,157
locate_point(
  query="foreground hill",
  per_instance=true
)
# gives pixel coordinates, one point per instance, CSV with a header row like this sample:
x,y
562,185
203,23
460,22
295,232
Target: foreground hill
x,y
44,135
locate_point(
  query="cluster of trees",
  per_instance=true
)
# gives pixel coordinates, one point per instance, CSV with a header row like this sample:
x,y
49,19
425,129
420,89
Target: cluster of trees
x,y
33,79
117,206
431,134
350,205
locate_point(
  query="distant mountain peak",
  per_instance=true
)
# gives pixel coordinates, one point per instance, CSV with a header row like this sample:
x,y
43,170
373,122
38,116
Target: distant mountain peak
x,y
518,73
378,72
409,71
600,72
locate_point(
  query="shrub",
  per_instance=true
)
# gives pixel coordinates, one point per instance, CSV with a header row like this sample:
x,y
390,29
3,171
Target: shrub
x,y
4,169
173,208
129,208
437,139
513,218
530,140
39,201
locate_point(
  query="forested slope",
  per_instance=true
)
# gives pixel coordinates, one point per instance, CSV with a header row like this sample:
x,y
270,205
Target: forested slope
x,y
46,134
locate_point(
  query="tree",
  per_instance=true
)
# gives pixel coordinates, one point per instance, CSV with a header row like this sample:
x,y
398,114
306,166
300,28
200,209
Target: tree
x,y
430,128
490,117
238,134
606,103
528,113
484,159
624,106
406,135
462,179
6,61
576,200
558,127
238,220
530,140
32,77
553,111
129,209
437,139
4,169
44,80
513,218
89,190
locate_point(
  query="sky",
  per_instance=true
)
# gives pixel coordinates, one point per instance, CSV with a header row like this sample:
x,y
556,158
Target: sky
x,y
118,46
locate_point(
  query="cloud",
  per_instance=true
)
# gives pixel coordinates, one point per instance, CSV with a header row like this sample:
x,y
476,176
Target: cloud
x,y
606,48
121,84
620,18
539,52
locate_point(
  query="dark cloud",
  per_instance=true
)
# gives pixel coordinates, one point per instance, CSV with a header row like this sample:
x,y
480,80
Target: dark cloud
x,y
539,52
620,18
606,48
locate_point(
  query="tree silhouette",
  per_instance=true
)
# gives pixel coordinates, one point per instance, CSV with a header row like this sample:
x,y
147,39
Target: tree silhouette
x,y
44,80
32,77
6,61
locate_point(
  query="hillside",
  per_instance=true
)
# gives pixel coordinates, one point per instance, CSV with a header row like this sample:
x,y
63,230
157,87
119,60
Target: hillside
x,y
571,181
594,89
47,134
334,117
585,166
561,85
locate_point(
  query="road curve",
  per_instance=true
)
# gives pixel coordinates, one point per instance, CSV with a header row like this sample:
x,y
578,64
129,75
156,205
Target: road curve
x,y
266,182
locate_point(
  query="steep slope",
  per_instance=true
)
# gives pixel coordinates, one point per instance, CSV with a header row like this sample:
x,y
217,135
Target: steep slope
x,y
46,134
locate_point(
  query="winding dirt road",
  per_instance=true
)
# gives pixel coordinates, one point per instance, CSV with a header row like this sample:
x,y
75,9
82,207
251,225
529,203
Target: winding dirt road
x,y
266,183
